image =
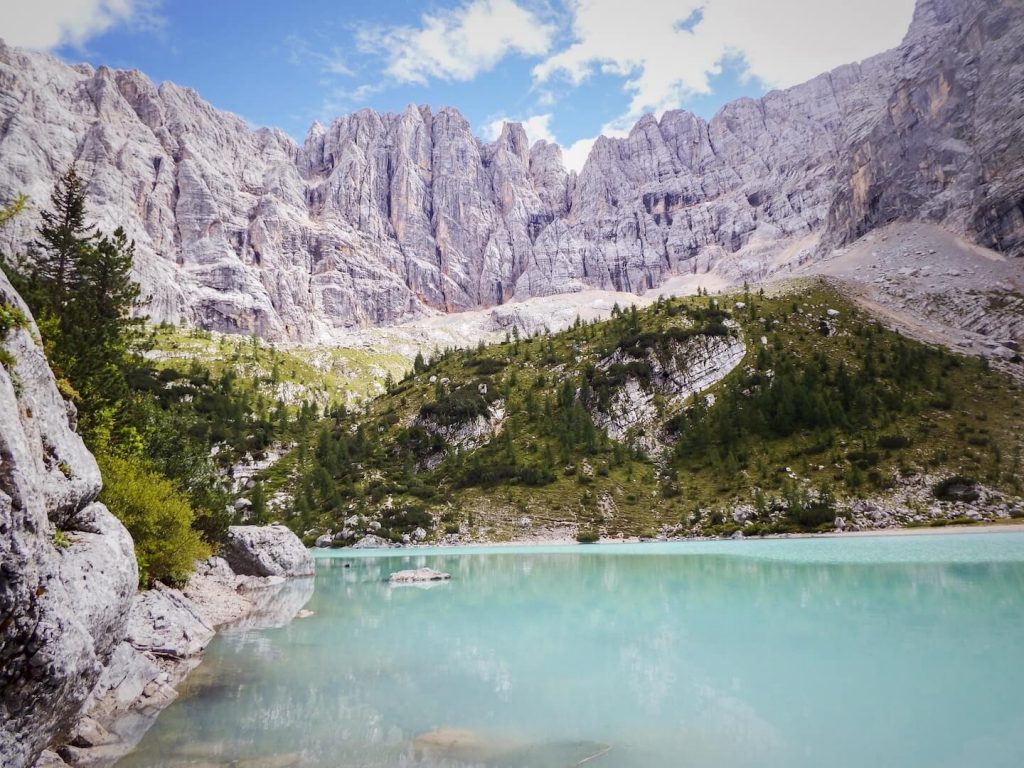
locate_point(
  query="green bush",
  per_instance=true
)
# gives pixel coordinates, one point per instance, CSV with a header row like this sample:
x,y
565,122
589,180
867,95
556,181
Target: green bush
x,y
461,405
588,536
157,515
957,488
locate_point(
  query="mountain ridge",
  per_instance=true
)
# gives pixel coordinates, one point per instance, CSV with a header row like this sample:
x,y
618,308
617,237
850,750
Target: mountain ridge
x,y
379,218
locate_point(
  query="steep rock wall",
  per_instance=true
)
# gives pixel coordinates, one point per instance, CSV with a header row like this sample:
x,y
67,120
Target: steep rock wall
x,y
63,602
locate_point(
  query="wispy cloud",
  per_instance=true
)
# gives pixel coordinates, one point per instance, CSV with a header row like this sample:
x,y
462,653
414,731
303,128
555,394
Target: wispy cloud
x,y
458,44
48,24
302,53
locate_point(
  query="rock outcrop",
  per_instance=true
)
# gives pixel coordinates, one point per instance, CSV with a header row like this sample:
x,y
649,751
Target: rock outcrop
x,y
67,566
268,550
672,375
378,218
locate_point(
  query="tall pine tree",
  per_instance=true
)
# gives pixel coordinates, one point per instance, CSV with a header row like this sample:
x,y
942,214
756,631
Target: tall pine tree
x,y
79,286
64,236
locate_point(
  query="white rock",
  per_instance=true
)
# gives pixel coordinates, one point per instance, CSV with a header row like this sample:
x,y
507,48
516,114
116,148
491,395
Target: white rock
x,y
418,575
371,542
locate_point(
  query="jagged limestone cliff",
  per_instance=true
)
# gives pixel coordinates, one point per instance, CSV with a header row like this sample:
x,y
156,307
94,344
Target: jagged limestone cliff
x,y
378,218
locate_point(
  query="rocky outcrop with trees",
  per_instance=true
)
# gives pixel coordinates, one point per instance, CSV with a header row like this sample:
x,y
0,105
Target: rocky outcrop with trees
x,y
67,567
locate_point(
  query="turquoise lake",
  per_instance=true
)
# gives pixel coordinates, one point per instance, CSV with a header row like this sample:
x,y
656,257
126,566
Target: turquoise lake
x,y
877,651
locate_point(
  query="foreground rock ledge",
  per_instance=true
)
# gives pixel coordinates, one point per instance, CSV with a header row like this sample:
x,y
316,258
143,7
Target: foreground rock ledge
x,y
167,632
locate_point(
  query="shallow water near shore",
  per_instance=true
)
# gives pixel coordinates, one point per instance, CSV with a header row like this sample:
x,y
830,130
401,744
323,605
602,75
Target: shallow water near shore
x,y
900,651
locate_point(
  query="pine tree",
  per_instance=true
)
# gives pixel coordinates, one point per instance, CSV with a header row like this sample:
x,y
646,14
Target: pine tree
x,y
64,236
259,504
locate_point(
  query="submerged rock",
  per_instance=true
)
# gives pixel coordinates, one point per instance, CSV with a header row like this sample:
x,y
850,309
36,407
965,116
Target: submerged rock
x,y
461,745
416,575
270,550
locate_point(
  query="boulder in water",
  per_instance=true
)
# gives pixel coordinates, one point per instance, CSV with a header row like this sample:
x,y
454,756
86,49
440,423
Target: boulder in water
x,y
267,550
417,575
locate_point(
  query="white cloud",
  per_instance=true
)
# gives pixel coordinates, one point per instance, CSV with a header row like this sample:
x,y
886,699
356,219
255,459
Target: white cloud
x,y
575,155
47,24
458,44
537,128
669,49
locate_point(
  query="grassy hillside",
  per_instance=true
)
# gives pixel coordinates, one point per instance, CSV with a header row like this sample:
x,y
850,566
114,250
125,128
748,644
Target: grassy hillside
x,y
825,406
321,375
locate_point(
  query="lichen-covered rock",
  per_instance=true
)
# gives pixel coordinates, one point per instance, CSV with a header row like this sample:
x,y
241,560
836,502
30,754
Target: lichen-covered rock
x,y
268,550
378,218
62,609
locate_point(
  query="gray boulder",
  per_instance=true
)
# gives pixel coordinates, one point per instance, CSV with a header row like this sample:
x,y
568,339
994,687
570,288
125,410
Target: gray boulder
x,y
267,550
371,542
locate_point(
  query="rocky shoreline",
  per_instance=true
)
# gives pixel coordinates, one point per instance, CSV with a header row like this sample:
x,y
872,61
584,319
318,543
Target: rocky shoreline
x,y
267,583
911,506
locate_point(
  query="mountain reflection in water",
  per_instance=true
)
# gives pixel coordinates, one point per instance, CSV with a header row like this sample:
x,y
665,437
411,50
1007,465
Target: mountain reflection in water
x,y
807,653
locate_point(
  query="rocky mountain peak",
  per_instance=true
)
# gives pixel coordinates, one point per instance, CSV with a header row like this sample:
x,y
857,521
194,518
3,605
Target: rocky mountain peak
x,y
378,218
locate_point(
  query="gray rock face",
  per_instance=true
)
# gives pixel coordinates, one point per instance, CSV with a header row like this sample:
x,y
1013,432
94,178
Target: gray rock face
x,y
946,145
270,550
63,609
165,623
378,218
689,367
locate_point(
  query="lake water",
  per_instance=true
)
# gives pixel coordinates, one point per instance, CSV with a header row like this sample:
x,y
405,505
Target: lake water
x,y
889,651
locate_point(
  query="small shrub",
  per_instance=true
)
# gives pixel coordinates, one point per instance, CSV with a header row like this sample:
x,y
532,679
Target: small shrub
x,y
487,366
11,317
588,536
863,459
157,515
461,405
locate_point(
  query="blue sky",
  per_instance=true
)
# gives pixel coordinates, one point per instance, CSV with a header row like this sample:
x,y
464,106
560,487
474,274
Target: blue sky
x,y
568,69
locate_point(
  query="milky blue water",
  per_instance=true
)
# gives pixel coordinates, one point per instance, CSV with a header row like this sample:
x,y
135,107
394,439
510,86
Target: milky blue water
x,y
890,651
